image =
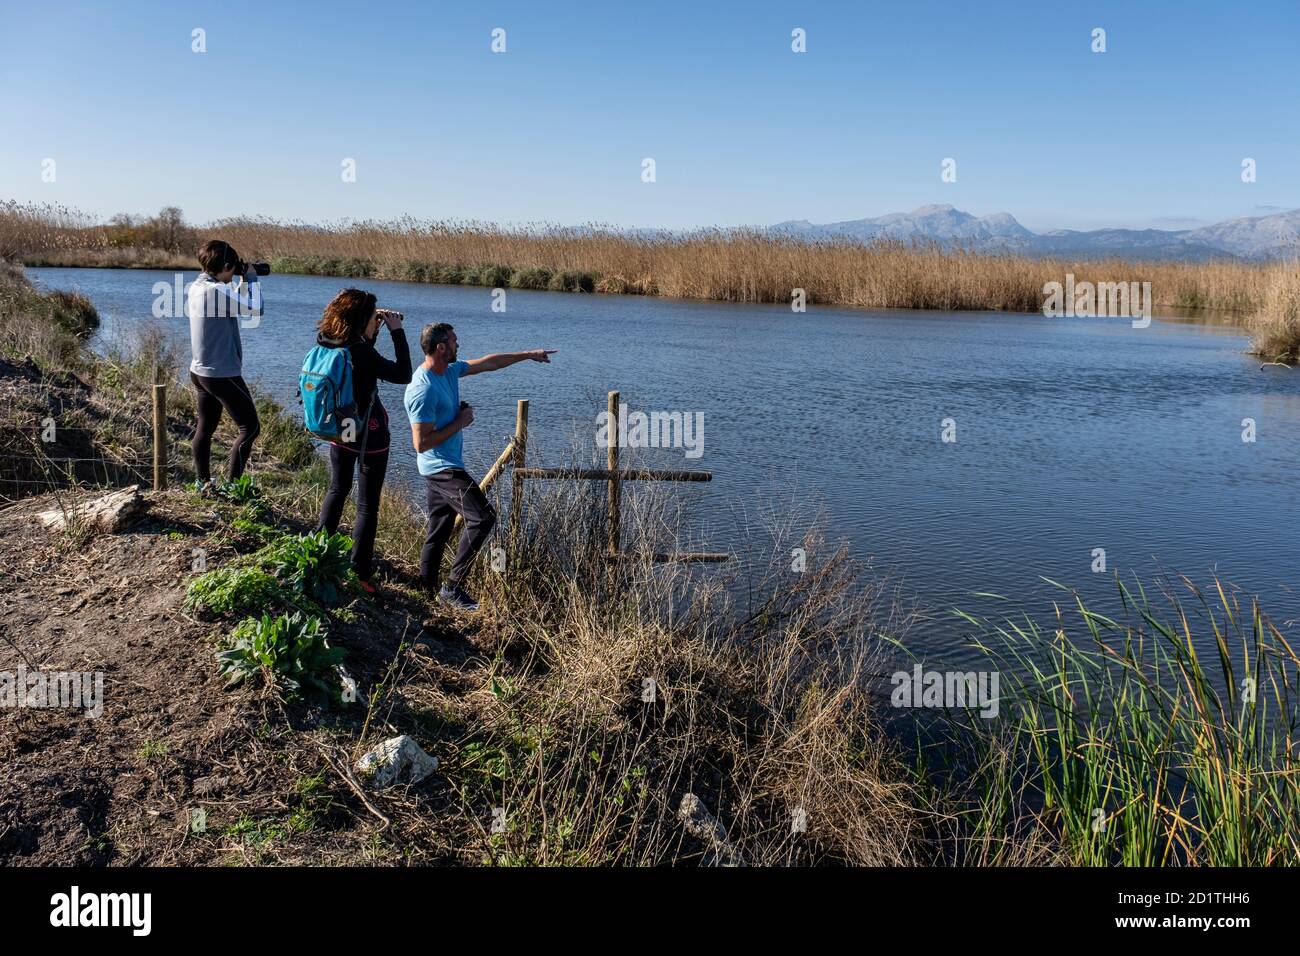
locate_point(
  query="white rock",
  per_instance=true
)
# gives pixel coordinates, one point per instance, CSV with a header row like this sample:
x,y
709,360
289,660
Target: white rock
x,y
396,760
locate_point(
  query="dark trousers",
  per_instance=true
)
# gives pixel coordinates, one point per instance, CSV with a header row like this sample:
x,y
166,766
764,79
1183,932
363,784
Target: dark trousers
x,y
450,493
371,483
232,395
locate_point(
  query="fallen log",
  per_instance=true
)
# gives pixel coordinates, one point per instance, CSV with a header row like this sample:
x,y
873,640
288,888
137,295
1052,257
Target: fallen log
x,y
108,513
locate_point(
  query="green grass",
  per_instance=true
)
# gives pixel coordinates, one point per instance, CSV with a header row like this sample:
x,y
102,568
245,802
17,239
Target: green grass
x,y
1121,744
153,750
289,572
282,436
492,276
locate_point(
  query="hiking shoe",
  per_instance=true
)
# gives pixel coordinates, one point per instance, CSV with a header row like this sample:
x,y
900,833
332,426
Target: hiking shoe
x,y
367,586
206,489
457,598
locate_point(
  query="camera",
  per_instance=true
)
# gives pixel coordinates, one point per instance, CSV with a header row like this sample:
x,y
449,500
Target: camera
x,y
261,268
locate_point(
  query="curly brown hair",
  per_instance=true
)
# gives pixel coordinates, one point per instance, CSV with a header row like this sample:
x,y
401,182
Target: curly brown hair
x,y
347,315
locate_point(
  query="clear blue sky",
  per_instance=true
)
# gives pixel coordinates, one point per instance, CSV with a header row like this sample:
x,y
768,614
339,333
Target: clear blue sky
x,y
1151,132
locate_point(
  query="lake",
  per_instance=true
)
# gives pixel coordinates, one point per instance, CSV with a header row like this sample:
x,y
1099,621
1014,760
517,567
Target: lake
x,y
1072,434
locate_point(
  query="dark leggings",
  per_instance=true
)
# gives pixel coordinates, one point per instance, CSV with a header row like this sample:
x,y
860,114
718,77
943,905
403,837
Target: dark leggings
x,y
373,469
232,395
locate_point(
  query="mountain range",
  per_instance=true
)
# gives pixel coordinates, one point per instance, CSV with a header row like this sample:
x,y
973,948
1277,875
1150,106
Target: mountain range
x,y
1274,236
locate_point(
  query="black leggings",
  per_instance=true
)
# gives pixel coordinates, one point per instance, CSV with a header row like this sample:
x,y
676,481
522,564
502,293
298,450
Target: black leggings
x,y
232,395
373,469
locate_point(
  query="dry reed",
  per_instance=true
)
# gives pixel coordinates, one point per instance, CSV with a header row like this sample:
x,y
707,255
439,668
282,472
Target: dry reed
x,y
723,265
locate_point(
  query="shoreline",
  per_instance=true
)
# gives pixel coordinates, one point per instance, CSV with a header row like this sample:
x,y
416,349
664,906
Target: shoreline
x,y
1217,316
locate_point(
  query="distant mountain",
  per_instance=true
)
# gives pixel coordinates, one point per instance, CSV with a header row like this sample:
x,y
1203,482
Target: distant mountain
x,y
939,222
1264,237
1125,243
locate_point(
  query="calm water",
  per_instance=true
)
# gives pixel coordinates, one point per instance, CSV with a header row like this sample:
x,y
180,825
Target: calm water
x,y
1072,434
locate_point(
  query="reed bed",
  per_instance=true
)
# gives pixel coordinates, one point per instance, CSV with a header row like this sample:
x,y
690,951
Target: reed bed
x,y
650,681
721,265
1275,327
1120,744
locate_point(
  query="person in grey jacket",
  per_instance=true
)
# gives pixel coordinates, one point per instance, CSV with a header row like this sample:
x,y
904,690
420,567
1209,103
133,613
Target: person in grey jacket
x,y
215,307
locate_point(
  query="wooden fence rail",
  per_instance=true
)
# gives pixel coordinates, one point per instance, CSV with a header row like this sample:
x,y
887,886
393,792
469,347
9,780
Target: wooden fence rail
x,y
613,475
514,452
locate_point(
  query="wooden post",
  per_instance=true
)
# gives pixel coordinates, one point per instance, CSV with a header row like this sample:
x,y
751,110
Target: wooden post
x,y
614,484
520,445
160,437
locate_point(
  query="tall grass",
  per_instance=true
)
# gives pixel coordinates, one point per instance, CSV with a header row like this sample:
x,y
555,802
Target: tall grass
x,y
1121,744
67,312
724,265
731,266
613,690
645,682
1275,327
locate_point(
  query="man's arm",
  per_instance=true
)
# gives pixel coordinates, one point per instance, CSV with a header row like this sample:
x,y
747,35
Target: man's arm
x,y
499,360
425,435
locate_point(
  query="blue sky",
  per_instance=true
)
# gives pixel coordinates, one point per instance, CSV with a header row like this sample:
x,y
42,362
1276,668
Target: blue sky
x,y
1150,133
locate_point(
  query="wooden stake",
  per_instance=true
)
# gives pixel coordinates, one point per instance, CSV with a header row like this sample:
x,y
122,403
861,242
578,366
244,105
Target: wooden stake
x,y
612,464
520,445
160,438
488,480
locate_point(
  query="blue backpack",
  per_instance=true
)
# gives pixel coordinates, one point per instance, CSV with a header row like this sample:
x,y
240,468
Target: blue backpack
x,y
325,387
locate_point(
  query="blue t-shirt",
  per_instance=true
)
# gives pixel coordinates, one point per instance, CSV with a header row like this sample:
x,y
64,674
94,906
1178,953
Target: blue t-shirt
x,y
433,399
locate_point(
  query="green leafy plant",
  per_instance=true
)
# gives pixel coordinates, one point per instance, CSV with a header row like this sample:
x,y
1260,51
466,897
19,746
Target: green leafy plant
x,y
242,488
289,652
233,591
317,565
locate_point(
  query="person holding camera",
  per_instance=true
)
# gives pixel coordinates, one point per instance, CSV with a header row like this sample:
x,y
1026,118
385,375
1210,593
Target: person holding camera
x,y
351,321
215,306
438,417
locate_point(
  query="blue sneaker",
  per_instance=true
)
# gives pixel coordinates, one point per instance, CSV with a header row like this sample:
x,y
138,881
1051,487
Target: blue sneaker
x,y
457,598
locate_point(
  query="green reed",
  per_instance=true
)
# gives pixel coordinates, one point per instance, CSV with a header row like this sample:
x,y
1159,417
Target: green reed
x,y
1166,737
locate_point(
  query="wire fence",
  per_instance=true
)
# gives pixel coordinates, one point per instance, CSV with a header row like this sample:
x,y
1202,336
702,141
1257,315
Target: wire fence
x,y
24,476
121,452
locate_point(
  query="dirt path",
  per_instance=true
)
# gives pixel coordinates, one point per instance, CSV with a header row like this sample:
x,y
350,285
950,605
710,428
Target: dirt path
x,y
173,745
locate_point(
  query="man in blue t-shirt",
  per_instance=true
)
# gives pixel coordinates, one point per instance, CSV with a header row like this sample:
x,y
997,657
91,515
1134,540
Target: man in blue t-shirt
x,y
437,417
